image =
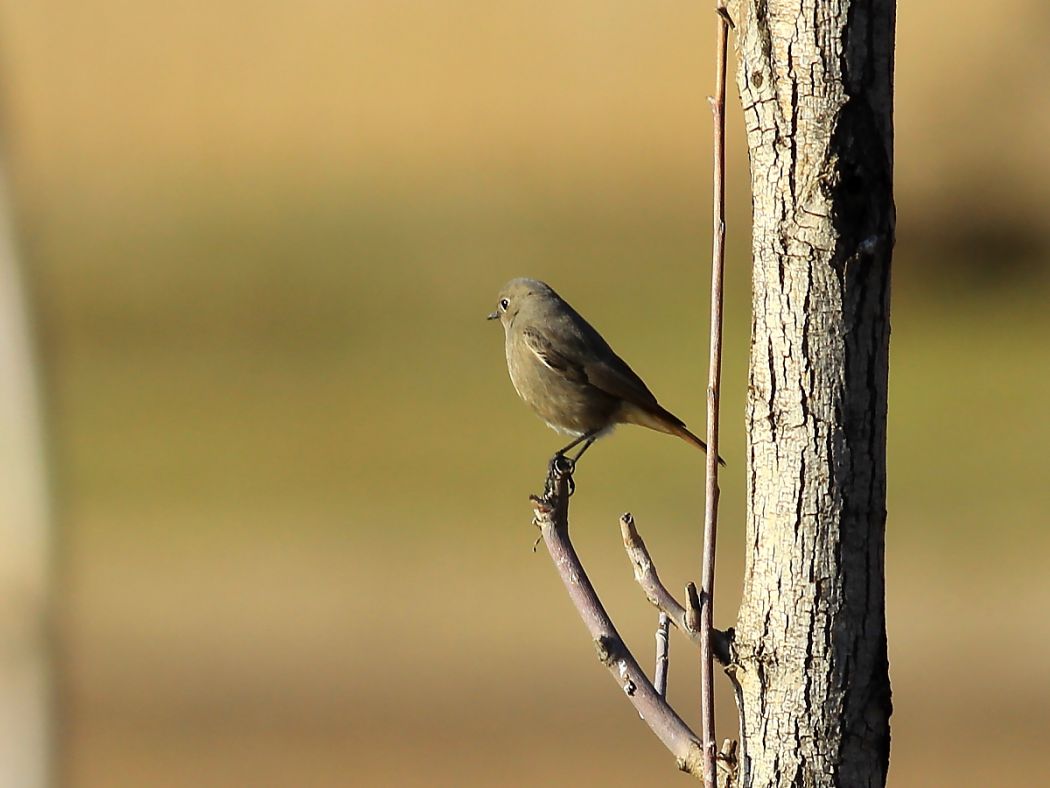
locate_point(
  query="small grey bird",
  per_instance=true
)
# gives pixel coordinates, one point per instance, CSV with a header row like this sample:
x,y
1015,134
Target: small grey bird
x,y
569,375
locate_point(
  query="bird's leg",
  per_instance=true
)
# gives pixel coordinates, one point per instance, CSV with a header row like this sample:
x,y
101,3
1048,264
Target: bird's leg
x,y
587,436
567,465
587,445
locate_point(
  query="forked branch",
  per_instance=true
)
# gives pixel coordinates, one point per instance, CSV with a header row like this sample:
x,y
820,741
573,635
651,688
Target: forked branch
x,y
552,516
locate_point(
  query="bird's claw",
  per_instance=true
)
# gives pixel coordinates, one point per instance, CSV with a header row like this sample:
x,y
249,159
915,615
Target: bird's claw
x,y
560,467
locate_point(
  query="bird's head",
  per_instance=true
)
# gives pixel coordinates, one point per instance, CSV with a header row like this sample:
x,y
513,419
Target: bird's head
x,y
518,295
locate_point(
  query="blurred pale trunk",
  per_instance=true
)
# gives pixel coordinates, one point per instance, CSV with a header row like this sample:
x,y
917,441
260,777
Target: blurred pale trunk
x,y
816,83
24,661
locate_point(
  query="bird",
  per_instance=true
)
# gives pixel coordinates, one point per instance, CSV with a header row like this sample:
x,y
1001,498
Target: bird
x,y
567,373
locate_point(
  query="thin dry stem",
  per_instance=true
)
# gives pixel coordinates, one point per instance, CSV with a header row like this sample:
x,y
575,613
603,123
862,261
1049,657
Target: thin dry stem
x,y
707,695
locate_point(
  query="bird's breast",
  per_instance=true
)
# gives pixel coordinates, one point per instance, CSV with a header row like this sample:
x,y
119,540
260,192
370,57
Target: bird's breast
x,y
565,405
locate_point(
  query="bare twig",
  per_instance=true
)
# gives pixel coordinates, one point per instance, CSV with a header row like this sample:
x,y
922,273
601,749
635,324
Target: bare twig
x,y
656,592
707,695
646,576
692,613
552,516
663,647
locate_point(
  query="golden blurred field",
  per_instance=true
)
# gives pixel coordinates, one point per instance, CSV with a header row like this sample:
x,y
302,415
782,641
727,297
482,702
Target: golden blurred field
x,y
291,472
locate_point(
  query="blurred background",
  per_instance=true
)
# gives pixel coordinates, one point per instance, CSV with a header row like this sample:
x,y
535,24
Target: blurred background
x,y
290,474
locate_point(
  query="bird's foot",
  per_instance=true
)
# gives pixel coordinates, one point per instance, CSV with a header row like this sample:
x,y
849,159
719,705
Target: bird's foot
x,y
560,466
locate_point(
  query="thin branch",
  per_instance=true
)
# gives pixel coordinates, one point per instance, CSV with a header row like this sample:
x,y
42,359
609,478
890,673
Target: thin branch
x,y
707,694
663,648
552,516
646,576
656,592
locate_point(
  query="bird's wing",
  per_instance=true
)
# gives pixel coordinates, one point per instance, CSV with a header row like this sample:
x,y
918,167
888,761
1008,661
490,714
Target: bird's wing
x,y
586,358
565,362
614,377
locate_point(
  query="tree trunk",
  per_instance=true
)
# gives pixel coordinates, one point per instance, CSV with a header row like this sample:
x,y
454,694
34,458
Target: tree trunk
x,y
816,82
25,681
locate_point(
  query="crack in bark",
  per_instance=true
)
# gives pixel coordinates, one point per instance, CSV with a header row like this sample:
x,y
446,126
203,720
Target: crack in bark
x,y
816,82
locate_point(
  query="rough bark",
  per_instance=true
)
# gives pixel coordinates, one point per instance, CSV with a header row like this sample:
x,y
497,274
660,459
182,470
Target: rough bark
x,y
816,81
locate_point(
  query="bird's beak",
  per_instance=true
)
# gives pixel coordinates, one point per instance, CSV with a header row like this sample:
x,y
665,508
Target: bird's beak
x,y
493,316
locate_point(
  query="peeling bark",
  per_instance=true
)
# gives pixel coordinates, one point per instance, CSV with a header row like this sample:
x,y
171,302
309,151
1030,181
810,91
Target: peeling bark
x,y
816,82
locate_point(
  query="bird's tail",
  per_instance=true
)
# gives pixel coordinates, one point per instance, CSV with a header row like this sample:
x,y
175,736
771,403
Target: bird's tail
x,y
688,437
665,421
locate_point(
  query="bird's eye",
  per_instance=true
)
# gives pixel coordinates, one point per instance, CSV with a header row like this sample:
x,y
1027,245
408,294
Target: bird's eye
x,y
504,303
